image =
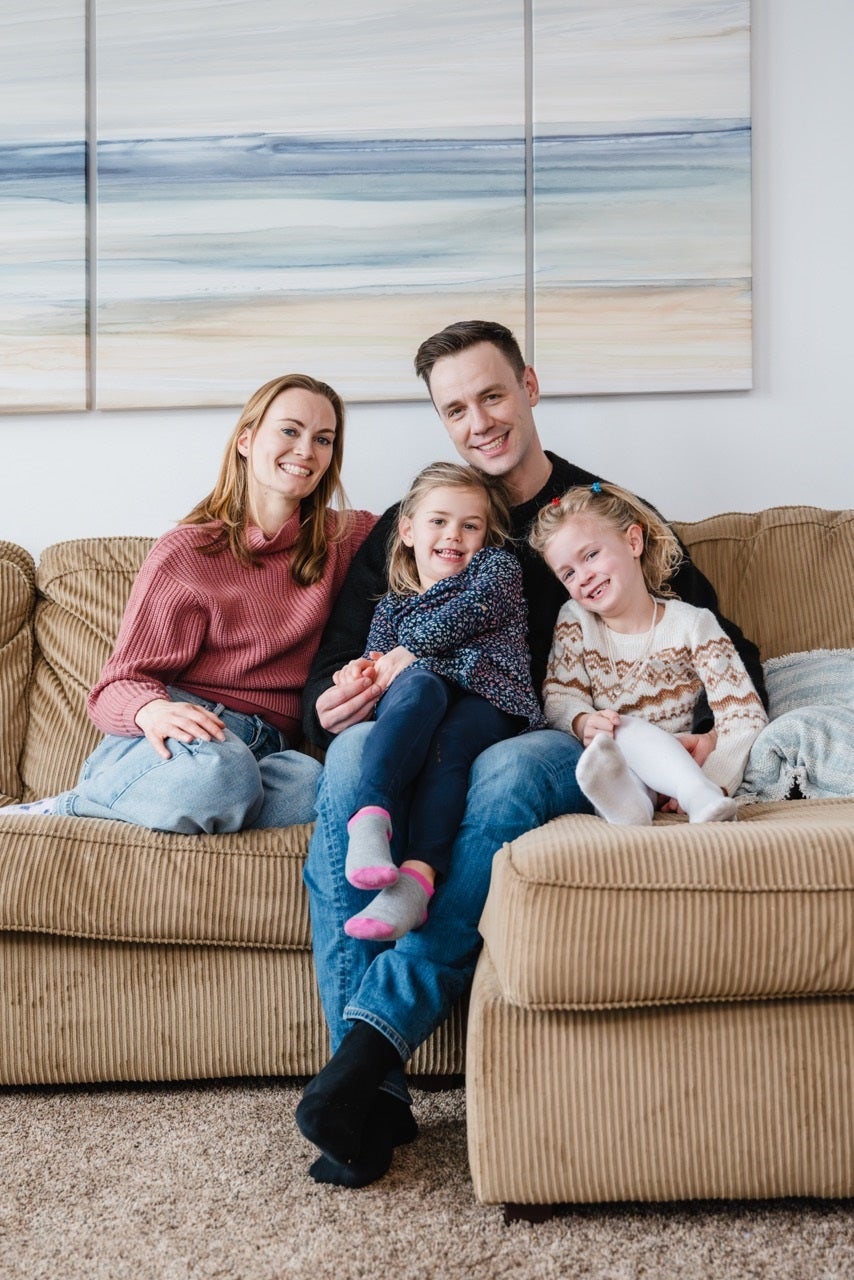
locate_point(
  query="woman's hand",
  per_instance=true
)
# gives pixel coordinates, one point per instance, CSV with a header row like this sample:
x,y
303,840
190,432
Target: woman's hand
x,y
389,665
162,719
590,724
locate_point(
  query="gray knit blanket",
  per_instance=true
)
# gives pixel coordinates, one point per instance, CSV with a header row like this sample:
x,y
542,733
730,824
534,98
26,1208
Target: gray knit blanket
x,y
808,753
807,749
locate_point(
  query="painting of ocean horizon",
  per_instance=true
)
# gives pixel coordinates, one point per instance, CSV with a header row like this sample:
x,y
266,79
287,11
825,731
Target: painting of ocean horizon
x,y
641,162
284,189
43,302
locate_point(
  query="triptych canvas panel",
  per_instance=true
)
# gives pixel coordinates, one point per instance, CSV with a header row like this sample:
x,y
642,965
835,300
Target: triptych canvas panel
x,y
642,277
43,217
302,188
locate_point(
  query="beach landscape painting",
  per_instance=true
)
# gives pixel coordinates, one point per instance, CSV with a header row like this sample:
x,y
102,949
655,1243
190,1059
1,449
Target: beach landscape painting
x,y
43,227
641,162
286,188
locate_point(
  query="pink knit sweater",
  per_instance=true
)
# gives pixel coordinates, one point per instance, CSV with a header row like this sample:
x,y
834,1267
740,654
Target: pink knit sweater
x,y
237,634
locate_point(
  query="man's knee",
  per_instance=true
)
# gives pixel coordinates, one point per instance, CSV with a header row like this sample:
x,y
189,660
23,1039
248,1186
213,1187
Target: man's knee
x,y
533,773
540,753
344,755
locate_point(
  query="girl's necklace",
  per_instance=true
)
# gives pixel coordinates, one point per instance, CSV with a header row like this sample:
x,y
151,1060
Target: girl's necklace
x,y
628,681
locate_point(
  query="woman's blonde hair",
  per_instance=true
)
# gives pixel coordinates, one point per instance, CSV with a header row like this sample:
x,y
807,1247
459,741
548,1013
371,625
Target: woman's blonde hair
x,y
661,555
228,501
402,571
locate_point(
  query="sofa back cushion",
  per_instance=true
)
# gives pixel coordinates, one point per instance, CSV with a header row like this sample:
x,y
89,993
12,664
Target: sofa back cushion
x,y
785,575
83,588
17,599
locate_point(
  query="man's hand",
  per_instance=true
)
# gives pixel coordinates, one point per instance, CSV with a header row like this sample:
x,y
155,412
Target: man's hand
x,y
161,719
699,745
589,724
348,701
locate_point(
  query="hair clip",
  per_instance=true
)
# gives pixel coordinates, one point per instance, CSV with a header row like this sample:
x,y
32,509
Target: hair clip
x,y
555,502
596,487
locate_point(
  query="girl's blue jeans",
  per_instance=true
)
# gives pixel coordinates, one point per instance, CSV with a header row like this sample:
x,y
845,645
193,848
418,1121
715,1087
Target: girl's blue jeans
x,y
417,760
252,779
405,989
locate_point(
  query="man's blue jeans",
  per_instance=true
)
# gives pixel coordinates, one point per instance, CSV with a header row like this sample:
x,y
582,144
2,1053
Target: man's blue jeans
x,y
251,779
405,989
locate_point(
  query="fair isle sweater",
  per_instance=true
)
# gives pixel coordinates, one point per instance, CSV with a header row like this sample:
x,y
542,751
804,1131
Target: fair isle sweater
x,y
238,634
690,652
470,628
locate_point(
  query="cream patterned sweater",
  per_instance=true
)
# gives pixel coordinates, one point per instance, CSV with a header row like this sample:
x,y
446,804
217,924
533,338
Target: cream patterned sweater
x,y
689,652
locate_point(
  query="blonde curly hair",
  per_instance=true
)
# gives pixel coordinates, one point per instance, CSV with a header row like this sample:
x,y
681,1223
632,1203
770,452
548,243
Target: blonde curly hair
x,y
661,555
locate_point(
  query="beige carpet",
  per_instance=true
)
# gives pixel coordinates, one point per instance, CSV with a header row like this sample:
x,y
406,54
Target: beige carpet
x,y
196,1182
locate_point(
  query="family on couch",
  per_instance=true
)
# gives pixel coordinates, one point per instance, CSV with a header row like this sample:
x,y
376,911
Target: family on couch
x,y
239,592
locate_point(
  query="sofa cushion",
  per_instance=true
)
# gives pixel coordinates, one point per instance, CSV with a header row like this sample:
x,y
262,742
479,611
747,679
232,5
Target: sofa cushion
x,y
83,587
92,878
582,914
17,598
750,560
819,678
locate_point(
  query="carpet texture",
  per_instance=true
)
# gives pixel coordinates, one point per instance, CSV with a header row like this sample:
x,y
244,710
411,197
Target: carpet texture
x,y
209,1182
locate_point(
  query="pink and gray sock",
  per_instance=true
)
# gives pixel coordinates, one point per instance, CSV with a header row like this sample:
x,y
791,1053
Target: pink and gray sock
x,y
369,862
393,912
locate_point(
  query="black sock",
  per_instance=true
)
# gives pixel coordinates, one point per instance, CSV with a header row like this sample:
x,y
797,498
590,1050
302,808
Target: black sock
x,y
335,1104
390,1123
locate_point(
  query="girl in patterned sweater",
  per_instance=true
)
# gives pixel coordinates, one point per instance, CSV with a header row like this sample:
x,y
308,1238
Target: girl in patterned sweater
x,y
448,645
629,662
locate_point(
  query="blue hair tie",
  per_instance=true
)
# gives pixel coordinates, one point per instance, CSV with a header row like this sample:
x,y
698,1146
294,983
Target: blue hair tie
x,y
596,487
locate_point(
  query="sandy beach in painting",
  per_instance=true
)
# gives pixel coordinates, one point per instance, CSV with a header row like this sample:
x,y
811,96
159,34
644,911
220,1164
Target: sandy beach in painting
x,y
216,353
692,337
587,339
42,372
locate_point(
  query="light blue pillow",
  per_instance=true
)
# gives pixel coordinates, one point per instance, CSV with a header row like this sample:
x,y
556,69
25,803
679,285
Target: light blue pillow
x,y
816,678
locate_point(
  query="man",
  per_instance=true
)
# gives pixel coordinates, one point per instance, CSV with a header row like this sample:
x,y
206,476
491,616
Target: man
x,y
382,1000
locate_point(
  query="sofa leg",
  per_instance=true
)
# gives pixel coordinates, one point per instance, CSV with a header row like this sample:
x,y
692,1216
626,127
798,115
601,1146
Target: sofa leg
x,y
532,1213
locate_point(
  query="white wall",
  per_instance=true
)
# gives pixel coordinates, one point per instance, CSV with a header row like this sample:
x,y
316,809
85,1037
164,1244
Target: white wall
x,y
789,440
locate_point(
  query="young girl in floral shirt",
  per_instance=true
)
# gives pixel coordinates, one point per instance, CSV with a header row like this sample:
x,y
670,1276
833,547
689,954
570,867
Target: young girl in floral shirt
x,y
448,644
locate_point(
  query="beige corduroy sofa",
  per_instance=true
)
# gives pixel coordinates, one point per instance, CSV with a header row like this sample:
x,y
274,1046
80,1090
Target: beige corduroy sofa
x,y
128,954
668,1013
657,1014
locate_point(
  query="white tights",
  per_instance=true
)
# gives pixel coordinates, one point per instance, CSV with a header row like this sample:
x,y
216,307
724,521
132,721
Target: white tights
x,y
621,776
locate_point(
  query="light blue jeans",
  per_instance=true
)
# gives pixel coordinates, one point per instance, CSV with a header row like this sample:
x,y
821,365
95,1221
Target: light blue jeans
x,y
405,989
252,779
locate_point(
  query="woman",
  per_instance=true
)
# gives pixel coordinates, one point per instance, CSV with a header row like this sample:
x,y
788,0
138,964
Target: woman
x,y
201,698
